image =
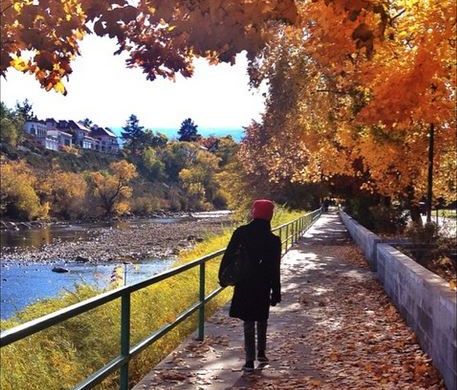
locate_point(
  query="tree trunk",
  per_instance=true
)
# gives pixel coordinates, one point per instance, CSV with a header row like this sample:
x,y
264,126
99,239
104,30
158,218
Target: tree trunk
x,y
430,172
415,215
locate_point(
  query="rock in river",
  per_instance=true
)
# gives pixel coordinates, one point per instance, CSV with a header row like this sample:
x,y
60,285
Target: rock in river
x,y
81,259
59,270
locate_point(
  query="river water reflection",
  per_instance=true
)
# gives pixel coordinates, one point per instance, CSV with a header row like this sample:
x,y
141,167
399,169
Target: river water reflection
x,y
37,237
22,284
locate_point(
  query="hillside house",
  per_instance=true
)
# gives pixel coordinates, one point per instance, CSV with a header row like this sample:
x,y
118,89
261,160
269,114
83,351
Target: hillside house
x,y
77,130
89,143
107,140
63,139
36,128
51,142
39,131
54,135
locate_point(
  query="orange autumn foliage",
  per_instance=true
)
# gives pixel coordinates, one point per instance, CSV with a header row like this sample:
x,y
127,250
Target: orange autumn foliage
x,y
354,85
355,93
161,37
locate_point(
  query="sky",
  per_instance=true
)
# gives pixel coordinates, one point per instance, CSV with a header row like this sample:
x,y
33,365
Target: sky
x,y
103,89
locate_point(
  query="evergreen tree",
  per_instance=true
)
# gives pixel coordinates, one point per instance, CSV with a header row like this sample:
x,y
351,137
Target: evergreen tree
x,y
153,140
88,123
25,109
188,131
133,134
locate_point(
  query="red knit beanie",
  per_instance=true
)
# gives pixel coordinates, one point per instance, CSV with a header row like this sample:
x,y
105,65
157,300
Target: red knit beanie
x,y
262,209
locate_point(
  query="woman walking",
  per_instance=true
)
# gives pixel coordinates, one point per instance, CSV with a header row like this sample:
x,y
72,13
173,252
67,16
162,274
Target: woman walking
x,y
261,288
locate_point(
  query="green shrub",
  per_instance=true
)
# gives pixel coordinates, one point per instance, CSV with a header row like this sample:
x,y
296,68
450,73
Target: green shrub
x,y
387,219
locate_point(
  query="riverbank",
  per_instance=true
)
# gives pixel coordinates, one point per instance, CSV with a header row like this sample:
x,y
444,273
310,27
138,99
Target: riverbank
x,y
80,345
131,240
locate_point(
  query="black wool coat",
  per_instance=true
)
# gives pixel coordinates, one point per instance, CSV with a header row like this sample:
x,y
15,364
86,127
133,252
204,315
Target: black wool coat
x,y
251,296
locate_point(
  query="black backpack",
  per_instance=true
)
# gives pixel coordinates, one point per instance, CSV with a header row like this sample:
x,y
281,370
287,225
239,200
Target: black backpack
x,y
239,267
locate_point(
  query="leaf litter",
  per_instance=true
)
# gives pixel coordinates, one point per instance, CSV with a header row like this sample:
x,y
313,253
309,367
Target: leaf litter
x,y
354,338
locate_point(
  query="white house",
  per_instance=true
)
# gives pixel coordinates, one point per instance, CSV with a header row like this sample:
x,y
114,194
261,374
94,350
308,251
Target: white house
x,y
107,140
36,128
63,139
54,135
39,130
88,143
51,143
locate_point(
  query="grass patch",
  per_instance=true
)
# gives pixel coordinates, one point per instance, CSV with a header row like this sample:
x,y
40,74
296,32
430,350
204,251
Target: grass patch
x,y
449,213
65,354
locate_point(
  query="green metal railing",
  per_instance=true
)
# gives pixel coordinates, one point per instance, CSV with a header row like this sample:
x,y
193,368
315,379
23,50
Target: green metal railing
x,y
288,232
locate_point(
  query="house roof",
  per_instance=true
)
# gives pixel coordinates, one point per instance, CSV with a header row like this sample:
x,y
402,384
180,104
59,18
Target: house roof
x,y
59,131
62,124
81,126
100,132
36,121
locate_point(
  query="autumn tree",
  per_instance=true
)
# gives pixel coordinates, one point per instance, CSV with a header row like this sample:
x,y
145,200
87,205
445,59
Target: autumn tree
x,y
154,166
188,131
355,86
361,98
226,149
111,189
153,140
160,37
11,124
198,179
176,156
18,193
66,193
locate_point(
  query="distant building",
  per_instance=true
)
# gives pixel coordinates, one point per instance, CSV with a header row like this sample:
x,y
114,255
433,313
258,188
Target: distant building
x,y
51,142
39,131
107,140
88,143
36,128
63,139
53,135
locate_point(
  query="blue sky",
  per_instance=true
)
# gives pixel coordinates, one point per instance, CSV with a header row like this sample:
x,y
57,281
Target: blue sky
x,y
103,89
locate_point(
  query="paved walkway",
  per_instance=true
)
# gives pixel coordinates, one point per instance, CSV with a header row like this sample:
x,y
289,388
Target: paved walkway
x,y
334,329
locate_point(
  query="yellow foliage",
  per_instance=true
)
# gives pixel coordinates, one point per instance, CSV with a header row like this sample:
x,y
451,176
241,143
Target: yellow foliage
x,y
354,94
70,149
66,192
111,189
18,195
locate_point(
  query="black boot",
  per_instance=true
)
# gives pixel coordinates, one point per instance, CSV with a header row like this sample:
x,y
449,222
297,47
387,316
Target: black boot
x,y
261,357
248,366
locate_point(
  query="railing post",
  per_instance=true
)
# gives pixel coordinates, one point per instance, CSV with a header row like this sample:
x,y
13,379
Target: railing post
x,y
125,339
201,310
287,237
294,234
281,236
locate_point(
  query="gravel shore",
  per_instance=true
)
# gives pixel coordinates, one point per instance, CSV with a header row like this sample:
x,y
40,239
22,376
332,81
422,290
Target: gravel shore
x,y
139,242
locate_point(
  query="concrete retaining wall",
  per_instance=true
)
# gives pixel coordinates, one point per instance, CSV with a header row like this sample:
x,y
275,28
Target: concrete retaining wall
x,y
364,238
423,299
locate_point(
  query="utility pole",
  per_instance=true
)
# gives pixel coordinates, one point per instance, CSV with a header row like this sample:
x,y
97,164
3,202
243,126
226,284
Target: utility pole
x,y
431,136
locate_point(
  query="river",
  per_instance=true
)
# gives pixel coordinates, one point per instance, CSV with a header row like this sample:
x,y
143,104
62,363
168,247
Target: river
x,y
24,280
